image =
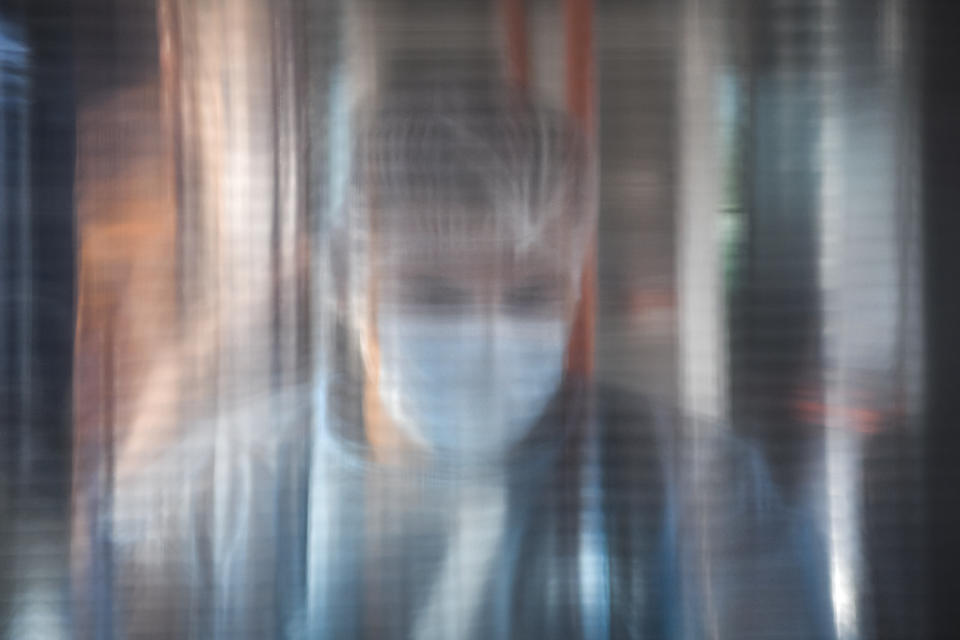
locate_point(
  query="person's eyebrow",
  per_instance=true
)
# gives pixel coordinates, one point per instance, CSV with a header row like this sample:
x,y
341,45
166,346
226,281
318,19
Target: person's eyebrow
x,y
434,289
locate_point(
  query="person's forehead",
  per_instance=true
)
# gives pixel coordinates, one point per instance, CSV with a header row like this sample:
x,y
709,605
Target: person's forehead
x,y
510,233
472,260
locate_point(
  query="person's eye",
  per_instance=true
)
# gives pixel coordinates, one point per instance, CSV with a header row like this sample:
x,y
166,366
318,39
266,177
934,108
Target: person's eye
x,y
435,293
532,297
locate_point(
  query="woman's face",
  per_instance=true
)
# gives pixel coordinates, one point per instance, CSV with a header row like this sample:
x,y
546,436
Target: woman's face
x,y
471,337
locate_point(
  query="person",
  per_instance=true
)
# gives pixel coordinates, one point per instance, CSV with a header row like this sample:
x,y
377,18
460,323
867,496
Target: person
x,y
464,482
567,510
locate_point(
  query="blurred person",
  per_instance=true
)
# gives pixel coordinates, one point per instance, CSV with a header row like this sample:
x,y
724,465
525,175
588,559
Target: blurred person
x,y
465,483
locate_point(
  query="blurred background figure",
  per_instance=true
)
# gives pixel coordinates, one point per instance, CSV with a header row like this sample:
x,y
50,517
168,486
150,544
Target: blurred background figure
x,y
374,319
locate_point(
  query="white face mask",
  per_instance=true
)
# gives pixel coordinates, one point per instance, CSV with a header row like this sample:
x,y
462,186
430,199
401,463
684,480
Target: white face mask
x,y
472,386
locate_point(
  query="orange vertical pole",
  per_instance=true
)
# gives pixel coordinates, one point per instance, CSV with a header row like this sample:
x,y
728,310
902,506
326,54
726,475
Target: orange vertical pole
x,y
517,41
578,19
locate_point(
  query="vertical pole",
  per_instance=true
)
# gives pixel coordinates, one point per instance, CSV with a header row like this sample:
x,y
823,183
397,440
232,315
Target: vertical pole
x,y
578,17
700,287
517,41
580,98
702,361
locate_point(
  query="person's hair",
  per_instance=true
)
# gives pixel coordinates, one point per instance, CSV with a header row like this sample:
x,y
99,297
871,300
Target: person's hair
x,y
444,164
439,165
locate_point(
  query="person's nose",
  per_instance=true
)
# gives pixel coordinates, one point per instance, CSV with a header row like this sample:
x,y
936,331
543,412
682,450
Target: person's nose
x,y
488,299
489,317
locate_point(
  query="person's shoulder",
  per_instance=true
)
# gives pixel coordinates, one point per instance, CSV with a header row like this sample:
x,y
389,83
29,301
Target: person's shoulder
x,y
712,491
633,436
624,414
685,449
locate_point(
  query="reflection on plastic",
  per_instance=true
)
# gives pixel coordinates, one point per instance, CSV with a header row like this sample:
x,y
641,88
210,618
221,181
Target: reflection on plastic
x,y
335,262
